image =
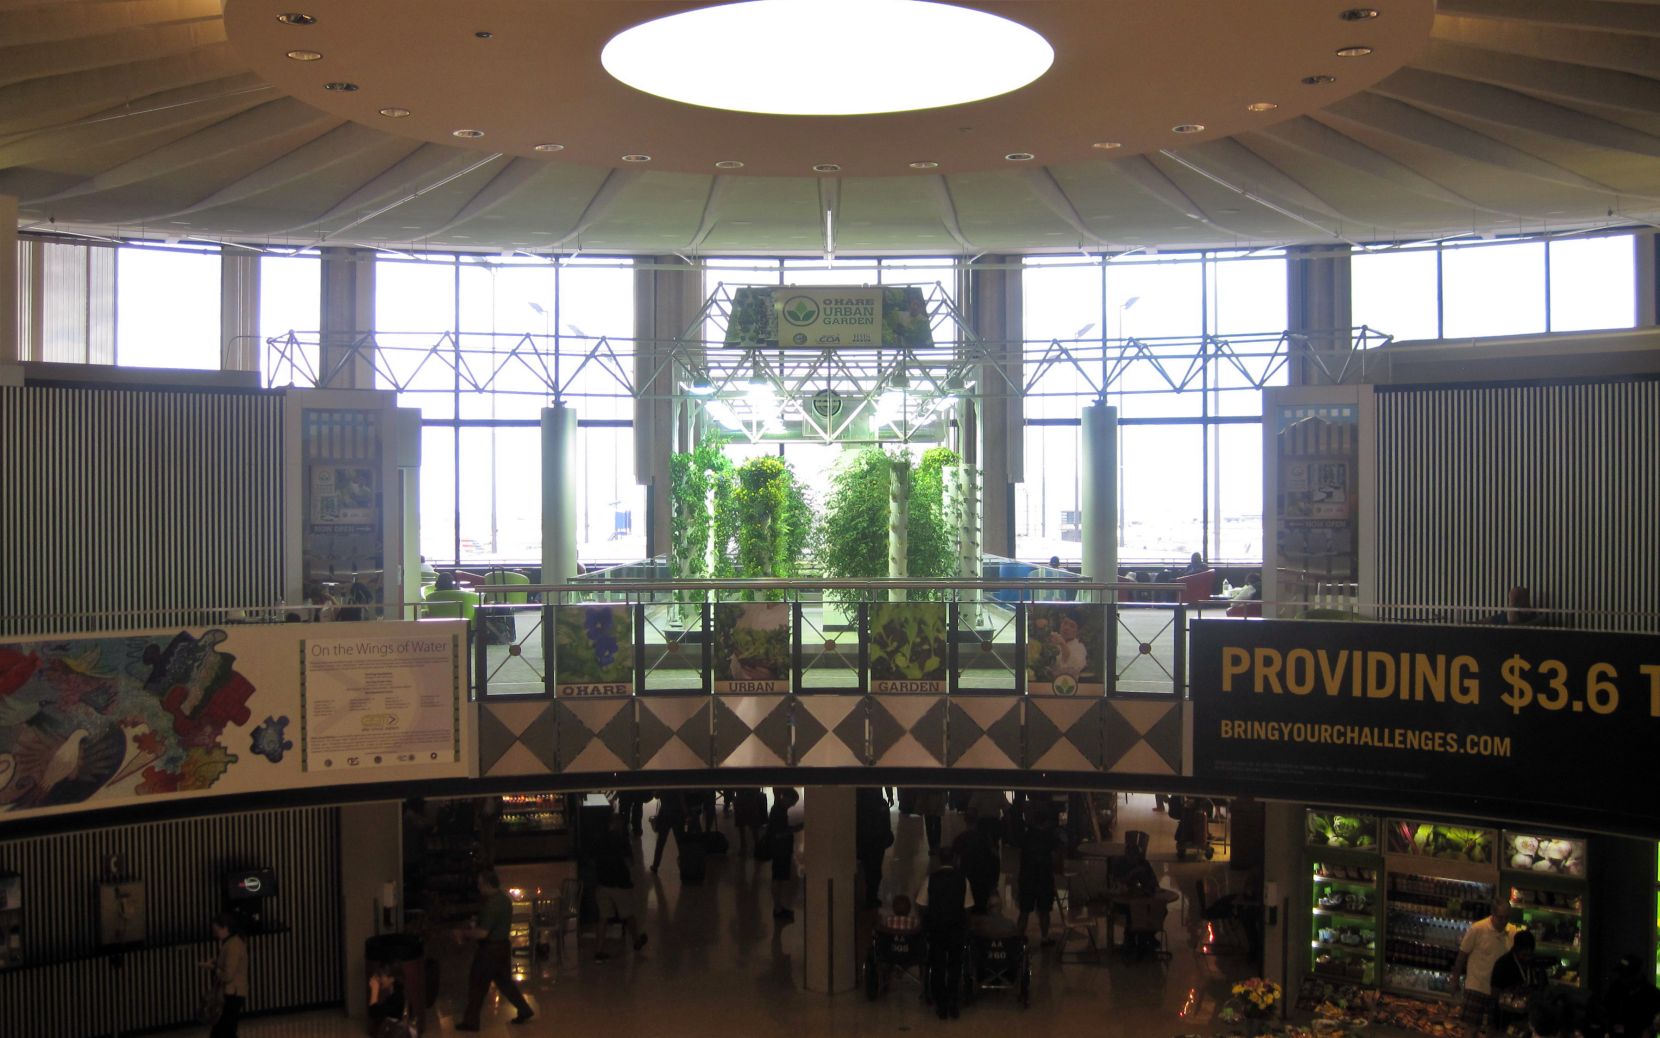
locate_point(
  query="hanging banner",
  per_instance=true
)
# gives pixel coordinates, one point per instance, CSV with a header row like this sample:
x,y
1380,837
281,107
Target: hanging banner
x,y
908,646
821,317
1512,713
595,649
1065,654
752,647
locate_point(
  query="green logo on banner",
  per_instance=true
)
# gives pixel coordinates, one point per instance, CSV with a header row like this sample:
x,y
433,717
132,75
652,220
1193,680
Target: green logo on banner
x,y
800,311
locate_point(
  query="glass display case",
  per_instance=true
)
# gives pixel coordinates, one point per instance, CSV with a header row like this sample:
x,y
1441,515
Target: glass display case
x,y
1545,876
1344,900
533,827
1441,878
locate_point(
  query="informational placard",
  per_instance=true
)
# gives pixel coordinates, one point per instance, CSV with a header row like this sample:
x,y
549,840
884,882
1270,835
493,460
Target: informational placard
x,y
594,642
1318,466
752,647
1064,649
1428,712
829,316
377,701
908,647
343,496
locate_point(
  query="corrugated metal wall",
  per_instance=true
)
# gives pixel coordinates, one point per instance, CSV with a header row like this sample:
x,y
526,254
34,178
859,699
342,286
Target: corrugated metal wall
x,y
1552,487
139,505
68,991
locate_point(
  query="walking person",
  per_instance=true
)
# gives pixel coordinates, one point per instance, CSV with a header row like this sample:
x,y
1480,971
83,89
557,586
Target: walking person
x,y
493,957
780,838
230,974
1039,846
614,878
749,816
873,835
670,818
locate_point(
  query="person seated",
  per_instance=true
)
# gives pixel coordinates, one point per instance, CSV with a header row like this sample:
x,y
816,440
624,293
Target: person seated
x,y
1132,874
901,917
1518,610
1196,564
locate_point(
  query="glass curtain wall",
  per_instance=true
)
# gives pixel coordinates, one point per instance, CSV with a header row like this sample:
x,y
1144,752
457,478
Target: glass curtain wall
x,y
470,340
1181,344
1459,290
167,303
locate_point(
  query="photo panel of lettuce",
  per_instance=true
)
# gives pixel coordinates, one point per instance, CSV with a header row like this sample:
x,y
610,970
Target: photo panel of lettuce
x,y
908,646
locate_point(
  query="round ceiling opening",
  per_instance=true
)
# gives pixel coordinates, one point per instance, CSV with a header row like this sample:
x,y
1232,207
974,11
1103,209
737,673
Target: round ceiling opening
x,y
828,57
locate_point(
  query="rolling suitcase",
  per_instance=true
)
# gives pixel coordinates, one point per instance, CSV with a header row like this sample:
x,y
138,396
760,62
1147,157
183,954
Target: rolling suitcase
x,y
694,858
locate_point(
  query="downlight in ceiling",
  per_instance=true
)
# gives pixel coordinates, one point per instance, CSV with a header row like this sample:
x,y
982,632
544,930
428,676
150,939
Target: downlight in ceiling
x,y
805,57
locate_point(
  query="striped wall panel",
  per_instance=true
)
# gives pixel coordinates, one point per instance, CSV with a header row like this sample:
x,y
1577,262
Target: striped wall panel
x,y
1552,487
130,508
70,992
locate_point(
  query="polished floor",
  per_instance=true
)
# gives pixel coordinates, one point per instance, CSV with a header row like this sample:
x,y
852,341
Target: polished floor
x,y
716,966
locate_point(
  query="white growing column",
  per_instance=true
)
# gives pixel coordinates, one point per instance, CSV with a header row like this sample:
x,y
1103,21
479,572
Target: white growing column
x,y
829,860
1098,498
899,528
558,493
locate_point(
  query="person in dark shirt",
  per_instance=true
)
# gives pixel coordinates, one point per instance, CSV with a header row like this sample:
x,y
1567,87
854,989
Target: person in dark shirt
x,y
944,904
1194,565
1039,845
670,818
780,839
1631,1002
976,855
873,835
493,958
614,878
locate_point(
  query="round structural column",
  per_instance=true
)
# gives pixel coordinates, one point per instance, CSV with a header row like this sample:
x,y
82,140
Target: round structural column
x,y
828,865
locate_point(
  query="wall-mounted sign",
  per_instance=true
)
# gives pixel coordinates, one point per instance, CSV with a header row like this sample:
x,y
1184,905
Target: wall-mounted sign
x,y
908,647
595,646
752,647
1428,713
376,702
1065,653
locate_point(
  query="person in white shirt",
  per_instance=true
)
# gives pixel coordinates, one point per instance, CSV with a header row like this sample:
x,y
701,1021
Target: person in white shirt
x,y
1484,943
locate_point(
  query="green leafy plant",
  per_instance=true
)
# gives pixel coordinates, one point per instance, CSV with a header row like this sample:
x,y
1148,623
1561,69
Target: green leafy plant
x,y
771,519
692,476
852,536
1340,830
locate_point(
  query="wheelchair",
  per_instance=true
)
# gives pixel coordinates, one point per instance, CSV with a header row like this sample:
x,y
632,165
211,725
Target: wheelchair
x,y
997,959
895,953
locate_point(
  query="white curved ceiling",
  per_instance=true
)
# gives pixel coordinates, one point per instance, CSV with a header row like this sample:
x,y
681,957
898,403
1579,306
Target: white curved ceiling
x,y
141,118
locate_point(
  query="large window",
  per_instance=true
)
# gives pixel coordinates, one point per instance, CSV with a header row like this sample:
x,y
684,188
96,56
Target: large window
x,y
478,345
1474,289
290,300
167,307
1183,345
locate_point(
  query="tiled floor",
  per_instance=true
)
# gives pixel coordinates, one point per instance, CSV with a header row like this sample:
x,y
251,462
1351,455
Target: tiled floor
x,y
716,966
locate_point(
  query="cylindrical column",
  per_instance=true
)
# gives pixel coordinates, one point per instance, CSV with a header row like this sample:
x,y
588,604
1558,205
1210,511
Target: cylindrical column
x,y
899,523
828,863
10,350
1097,496
558,493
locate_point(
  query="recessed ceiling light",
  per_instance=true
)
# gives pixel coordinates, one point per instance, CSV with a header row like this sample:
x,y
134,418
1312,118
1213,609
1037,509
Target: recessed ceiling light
x,y
1107,145
549,147
1359,50
728,56
827,167
729,164
467,134
925,164
1318,80
1188,128
305,55
636,158
1359,14
484,34
343,87
1261,106
296,18
1020,156
395,113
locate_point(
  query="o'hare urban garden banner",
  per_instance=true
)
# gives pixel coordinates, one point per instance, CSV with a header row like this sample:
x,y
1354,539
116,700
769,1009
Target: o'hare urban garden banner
x,y
95,721
1428,713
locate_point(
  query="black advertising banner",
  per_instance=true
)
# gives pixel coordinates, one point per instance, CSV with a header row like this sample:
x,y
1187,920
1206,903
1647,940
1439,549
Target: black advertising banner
x,y
1551,719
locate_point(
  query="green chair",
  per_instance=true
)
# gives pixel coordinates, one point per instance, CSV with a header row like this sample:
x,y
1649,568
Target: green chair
x,y
451,604
504,578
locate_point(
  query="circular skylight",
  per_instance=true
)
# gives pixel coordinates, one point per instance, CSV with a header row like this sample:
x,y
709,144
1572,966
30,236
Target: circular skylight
x,y
828,57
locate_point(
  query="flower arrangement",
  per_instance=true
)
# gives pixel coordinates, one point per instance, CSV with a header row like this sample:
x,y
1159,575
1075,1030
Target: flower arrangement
x,y
1258,994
